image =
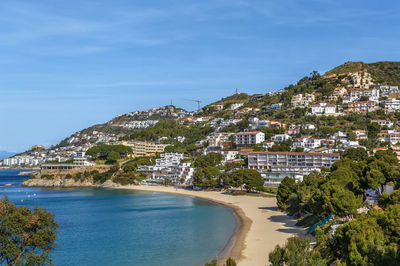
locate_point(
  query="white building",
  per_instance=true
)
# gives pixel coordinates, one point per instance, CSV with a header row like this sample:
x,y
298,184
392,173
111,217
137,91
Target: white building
x,y
250,138
141,124
290,162
392,137
235,106
371,94
386,90
391,105
323,108
383,122
281,137
307,143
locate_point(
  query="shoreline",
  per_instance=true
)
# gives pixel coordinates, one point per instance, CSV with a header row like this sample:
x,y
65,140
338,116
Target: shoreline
x,y
261,226
235,245
254,236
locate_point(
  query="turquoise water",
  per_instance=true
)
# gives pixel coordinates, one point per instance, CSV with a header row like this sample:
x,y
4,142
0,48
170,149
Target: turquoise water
x,y
120,227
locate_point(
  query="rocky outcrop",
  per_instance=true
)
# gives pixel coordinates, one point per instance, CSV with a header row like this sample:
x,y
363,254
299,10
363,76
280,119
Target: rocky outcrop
x,y
62,182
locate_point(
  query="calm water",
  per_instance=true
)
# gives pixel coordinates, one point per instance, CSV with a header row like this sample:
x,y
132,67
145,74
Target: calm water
x,y
118,227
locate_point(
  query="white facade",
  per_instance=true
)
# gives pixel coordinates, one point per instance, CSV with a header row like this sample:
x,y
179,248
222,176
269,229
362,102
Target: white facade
x,y
281,137
392,138
141,124
323,108
235,106
386,90
307,143
391,105
250,138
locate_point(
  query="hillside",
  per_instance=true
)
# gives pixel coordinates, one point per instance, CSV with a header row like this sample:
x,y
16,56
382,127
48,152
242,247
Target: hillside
x,y
382,72
120,125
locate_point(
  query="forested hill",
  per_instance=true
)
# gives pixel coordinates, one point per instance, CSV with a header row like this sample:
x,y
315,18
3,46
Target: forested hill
x,y
384,72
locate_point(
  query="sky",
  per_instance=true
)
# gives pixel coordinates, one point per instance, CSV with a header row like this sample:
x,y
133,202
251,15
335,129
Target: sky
x,y
66,65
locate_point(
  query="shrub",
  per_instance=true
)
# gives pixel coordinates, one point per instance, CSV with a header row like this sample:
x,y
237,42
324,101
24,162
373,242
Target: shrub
x,y
239,193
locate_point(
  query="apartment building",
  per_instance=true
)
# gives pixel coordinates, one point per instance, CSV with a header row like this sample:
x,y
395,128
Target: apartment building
x,y
371,94
323,108
362,106
299,162
307,143
391,105
392,137
302,100
218,139
386,90
249,138
144,148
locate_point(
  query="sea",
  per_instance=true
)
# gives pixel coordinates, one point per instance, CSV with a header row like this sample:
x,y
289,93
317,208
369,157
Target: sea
x,y
124,227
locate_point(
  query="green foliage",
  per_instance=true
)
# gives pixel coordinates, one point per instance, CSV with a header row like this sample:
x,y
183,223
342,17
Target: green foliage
x,y
26,237
296,252
211,159
251,179
172,129
356,154
341,191
381,72
373,130
230,262
112,157
103,151
371,239
207,177
286,189
280,147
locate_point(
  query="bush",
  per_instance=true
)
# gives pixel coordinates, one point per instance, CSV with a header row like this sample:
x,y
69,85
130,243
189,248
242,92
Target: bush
x,y
239,193
48,177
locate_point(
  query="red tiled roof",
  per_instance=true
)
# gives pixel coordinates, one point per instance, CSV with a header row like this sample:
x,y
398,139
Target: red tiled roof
x,y
248,133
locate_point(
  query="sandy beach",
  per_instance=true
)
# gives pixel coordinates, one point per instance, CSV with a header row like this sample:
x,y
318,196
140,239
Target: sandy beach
x,y
262,225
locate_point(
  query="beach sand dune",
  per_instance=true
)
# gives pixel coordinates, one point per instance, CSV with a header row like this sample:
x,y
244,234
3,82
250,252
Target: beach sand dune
x,y
262,225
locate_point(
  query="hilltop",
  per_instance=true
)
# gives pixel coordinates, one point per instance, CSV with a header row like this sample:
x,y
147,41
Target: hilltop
x,y
382,72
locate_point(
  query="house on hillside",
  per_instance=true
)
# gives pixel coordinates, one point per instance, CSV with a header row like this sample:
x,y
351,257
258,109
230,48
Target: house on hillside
x,y
249,138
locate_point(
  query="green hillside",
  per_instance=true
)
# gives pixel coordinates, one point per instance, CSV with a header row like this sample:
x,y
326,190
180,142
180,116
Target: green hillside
x,y
382,72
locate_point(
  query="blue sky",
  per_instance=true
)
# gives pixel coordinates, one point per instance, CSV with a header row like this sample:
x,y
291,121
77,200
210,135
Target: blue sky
x,y
66,65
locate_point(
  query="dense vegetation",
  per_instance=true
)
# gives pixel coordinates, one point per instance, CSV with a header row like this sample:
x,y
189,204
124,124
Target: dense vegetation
x,y
111,153
368,239
26,236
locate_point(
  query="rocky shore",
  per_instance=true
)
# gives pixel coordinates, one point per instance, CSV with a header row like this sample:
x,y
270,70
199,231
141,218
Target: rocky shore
x,y
65,183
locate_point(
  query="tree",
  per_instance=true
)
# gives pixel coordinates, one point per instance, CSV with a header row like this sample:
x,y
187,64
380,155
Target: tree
x,y
207,177
286,189
373,130
112,157
356,154
26,236
296,252
230,262
211,159
360,242
252,179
